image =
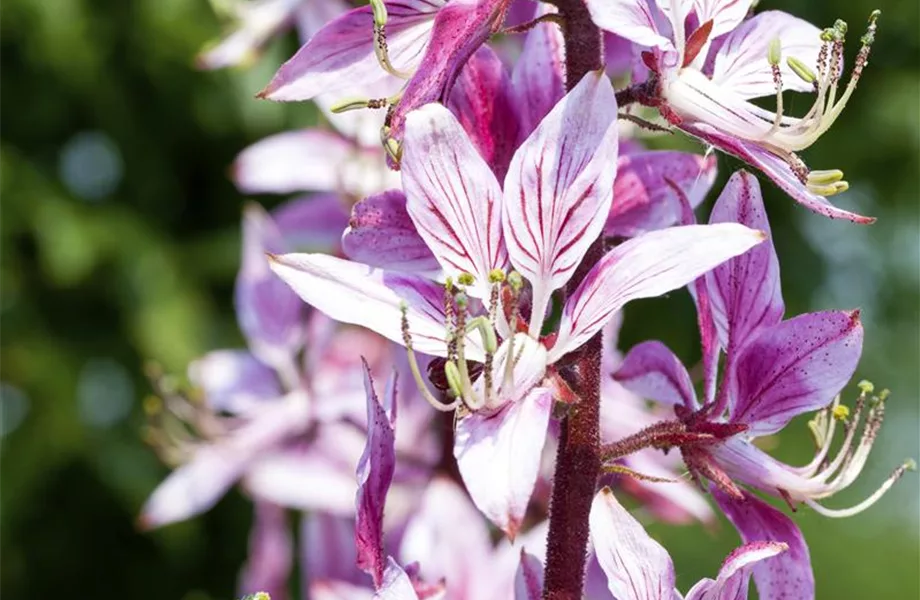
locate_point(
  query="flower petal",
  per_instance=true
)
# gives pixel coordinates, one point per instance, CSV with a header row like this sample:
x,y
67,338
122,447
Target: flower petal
x,y
651,370
741,66
637,567
482,100
527,370
795,367
775,168
258,22
342,52
643,200
634,20
396,585
312,222
499,456
354,293
744,293
375,473
271,553
293,161
539,73
724,14
735,575
453,197
234,381
528,581
788,575
381,234
645,267
560,179
336,536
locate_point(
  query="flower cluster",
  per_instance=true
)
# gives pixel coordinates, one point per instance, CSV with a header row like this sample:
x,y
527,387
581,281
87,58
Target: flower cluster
x,y
470,235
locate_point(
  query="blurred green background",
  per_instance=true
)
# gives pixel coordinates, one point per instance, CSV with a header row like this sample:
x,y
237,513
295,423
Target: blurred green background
x,y
120,244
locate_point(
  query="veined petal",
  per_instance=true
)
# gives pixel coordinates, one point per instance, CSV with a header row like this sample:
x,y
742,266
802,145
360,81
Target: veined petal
x,y
293,161
632,19
637,567
453,197
396,585
312,222
744,293
498,455
741,66
342,52
788,575
381,234
271,553
336,536
642,198
773,167
354,293
234,381
795,367
375,473
724,14
310,17
735,575
560,179
482,100
652,371
528,580
528,367
645,267
539,73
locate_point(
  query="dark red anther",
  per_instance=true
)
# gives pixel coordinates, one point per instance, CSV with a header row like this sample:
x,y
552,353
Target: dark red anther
x,y
438,378
696,41
649,60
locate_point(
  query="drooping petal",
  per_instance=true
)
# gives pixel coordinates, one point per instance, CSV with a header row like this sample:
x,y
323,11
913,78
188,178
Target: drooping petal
x,y
734,577
498,455
539,73
293,161
453,197
651,370
482,100
788,575
560,179
375,473
634,20
528,581
312,222
396,585
460,28
744,293
354,293
637,567
342,52
234,381
268,313
645,267
795,367
381,234
271,553
773,167
741,66
643,200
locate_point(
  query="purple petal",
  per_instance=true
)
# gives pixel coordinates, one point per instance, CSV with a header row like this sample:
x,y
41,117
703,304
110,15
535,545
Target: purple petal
x,y
539,73
381,234
395,585
313,222
560,179
269,314
528,581
460,28
259,22
499,456
645,267
482,101
327,548
642,198
741,66
234,381
342,52
788,575
795,367
745,292
375,473
634,20
310,17
293,161
735,575
652,371
724,14
336,590
637,567
775,168
271,553
354,293
453,197
620,54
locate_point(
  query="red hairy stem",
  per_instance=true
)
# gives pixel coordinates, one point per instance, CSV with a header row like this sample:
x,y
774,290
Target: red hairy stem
x,y
578,458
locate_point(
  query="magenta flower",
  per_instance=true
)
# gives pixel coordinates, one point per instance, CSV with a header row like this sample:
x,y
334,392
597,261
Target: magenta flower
x,y
541,223
709,62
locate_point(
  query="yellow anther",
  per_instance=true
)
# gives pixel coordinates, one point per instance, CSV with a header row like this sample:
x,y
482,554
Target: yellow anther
x,y
825,177
841,412
865,386
515,281
828,190
379,9
466,279
883,395
801,69
496,276
774,52
910,464
453,378
152,405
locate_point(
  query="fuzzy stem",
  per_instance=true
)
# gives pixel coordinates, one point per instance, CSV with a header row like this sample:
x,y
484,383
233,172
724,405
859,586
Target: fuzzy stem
x,y
578,458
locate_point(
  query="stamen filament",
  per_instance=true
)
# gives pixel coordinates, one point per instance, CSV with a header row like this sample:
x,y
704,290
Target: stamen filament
x,y
416,372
